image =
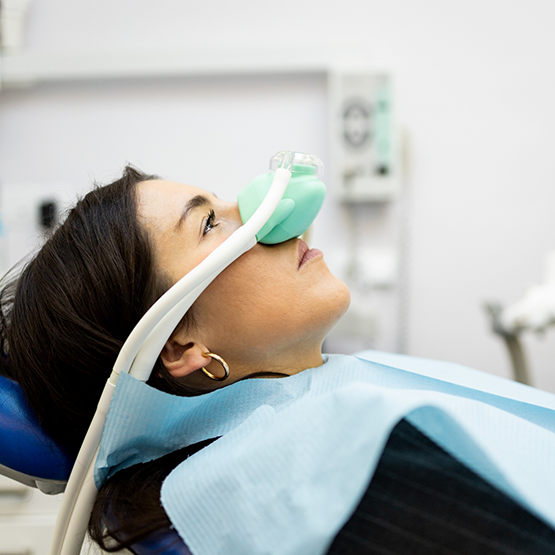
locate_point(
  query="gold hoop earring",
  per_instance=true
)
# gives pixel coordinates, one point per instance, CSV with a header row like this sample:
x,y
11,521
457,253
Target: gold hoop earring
x,y
222,362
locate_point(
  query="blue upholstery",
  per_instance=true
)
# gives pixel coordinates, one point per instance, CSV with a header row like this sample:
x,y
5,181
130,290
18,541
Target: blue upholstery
x,y
27,453
169,543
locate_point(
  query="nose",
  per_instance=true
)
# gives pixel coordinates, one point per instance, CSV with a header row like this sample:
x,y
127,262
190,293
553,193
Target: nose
x,y
230,210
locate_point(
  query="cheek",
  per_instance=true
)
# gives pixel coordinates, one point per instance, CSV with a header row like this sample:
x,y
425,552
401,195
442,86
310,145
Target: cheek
x,y
237,300
256,304
250,297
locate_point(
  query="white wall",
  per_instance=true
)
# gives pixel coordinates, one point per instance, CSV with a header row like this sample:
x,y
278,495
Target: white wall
x,y
474,87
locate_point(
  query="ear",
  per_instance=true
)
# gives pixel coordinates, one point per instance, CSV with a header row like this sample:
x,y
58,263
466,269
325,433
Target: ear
x,y
182,360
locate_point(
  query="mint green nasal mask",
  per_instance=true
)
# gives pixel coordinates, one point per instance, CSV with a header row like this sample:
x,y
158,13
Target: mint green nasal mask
x,y
300,204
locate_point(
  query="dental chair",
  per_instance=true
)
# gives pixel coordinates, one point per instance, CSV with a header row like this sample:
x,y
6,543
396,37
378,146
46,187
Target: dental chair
x,y
29,456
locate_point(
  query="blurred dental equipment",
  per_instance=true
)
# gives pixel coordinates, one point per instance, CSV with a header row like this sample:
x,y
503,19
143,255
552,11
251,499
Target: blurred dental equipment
x,y
512,342
534,312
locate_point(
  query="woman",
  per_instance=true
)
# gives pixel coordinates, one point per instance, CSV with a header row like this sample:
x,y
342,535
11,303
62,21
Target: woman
x,y
67,315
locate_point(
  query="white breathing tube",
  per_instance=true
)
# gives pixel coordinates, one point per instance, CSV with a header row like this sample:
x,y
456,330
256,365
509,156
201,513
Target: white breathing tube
x,y
138,355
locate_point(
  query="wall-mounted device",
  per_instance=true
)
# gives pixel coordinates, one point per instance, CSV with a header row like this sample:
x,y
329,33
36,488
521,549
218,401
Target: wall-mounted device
x,y
364,143
28,211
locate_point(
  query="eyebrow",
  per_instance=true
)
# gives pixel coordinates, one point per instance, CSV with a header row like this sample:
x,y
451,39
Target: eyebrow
x,y
197,201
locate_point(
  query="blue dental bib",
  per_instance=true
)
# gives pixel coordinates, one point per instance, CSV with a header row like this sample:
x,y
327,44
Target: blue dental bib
x,y
297,453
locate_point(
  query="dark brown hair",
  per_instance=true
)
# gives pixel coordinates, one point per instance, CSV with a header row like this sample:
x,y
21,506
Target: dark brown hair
x,y
73,305
128,508
66,316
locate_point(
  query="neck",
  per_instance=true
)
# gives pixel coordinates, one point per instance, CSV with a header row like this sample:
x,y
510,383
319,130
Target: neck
x,y
286,363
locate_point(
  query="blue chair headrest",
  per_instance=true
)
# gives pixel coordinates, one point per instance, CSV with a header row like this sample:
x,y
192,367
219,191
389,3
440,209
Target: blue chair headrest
x,y
27,453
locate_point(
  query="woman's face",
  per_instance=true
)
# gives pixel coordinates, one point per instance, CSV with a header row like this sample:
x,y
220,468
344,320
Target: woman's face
x,y
266,312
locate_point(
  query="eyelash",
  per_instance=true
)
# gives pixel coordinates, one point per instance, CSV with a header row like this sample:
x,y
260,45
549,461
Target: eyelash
x,y
209,225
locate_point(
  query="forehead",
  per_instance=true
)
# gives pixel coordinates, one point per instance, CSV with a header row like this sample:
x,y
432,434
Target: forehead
x,y
160,201
158,193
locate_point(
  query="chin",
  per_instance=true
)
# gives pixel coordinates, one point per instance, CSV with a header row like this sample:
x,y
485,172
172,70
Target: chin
x,y
344,299
339,298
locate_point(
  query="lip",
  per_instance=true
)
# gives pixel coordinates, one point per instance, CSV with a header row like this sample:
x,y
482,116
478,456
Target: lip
x,y
306,254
